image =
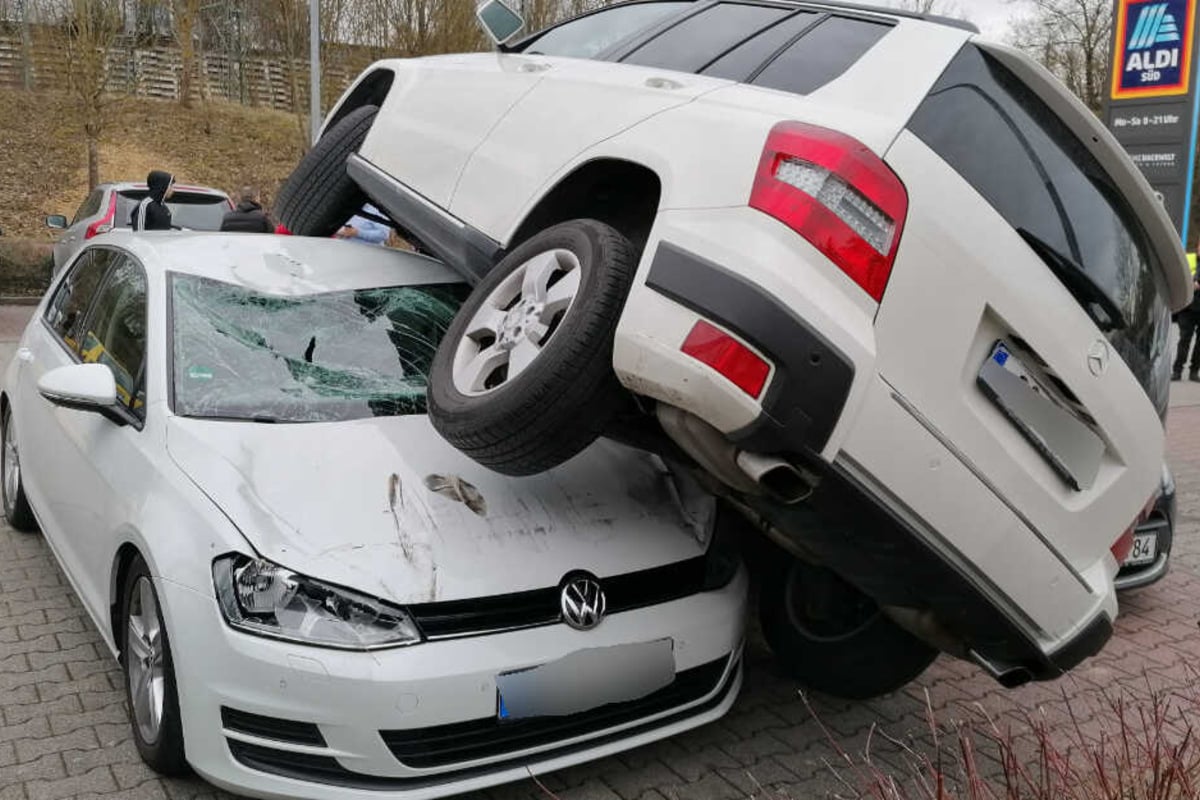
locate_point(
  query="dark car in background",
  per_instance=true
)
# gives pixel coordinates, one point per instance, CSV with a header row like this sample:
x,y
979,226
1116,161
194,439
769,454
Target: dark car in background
x,y
110,205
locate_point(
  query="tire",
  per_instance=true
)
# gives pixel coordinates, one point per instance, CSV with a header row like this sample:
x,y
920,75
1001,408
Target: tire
x,y
563,392
318,197
846,646
159,744
12,488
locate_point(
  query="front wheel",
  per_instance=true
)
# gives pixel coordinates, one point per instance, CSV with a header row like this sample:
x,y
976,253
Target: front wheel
x,y
16,506
523,378
318,197
833,638
150,688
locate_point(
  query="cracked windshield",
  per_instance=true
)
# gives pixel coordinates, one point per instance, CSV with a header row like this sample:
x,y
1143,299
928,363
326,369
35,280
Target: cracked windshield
x,y
244,355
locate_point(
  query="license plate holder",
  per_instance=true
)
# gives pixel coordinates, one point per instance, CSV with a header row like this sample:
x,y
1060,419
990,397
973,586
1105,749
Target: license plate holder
x,y
586,679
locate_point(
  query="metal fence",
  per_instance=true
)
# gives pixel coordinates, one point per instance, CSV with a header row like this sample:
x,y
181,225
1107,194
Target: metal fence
x,y
256,79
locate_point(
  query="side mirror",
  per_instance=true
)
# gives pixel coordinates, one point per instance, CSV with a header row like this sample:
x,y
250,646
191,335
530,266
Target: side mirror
x,y
56,221
83,387
499,20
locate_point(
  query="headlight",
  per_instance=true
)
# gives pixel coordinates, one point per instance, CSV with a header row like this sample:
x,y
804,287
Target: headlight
x,y
261,597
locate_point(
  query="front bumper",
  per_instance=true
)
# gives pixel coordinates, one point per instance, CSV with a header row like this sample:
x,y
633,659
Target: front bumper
x,y
318,723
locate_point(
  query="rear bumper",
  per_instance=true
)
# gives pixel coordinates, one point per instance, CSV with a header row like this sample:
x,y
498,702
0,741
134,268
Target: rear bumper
x,y
900,511
1161,522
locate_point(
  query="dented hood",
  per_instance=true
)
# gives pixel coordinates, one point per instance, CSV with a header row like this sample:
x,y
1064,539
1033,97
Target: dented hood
x,y
387,507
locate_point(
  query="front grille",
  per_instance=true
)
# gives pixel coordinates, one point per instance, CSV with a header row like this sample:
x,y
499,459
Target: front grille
x,y
444,745
282,730
327,770
541,606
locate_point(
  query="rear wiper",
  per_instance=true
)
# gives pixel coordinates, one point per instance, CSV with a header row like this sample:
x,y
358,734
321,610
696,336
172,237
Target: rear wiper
x,y
1094,300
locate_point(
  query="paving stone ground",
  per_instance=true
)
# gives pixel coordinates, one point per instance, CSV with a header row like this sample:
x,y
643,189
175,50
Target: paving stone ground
x,y
63,730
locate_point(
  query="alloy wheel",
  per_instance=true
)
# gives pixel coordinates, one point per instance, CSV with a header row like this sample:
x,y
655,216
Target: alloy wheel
x,y
515,322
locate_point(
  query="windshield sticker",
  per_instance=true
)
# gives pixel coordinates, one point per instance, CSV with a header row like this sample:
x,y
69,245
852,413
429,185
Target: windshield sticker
x,y
200,373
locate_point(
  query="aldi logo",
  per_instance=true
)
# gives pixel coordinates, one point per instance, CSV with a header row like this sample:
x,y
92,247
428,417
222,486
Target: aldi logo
x,y
1154,56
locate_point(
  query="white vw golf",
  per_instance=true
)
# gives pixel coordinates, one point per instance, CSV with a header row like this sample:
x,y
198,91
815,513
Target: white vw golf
x,y
224,441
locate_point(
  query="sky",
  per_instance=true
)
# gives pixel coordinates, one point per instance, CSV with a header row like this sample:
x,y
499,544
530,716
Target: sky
x,y
991,16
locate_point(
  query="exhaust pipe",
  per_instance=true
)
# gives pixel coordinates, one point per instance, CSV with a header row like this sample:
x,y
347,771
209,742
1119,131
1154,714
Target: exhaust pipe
x,y
1010,676
778,478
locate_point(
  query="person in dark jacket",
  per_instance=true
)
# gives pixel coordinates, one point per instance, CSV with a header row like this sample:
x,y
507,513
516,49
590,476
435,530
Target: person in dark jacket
x,y
1189,326
152,213
249,216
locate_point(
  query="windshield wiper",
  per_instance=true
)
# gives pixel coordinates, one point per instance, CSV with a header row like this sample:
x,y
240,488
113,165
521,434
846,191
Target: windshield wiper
x,y
260,418
1095,301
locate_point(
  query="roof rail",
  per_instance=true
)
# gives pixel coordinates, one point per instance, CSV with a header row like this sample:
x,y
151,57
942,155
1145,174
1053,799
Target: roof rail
x,y
895,12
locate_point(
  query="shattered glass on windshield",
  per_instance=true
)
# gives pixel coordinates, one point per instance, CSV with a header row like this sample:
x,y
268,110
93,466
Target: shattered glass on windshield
x,y
242,354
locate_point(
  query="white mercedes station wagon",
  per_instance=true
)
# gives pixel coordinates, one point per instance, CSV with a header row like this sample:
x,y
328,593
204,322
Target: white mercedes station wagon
x,y
223,438
894,291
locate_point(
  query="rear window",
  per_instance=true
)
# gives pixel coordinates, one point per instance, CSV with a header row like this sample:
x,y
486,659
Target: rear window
x,y
1009,145
197,212
699,39
821,54
587,36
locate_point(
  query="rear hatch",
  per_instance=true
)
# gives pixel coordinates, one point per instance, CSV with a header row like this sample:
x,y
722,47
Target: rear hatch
x,y
1026,319
192,209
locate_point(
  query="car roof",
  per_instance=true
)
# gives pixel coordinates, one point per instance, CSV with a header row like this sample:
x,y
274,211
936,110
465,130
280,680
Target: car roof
x,y
835,5
279,265
123,186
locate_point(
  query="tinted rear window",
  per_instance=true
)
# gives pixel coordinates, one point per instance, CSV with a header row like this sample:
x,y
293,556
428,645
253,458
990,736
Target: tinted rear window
x,y
821,55
1009,145
699,39
197,212
587,36
744,60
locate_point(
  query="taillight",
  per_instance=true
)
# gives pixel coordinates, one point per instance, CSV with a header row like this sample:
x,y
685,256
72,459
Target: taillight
x,y
716,348
837,194
105,224
1122,546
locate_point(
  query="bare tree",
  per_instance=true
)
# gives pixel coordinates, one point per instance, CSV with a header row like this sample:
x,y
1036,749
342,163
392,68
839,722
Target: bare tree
x,y
186,15
943,7
87,33
1073,39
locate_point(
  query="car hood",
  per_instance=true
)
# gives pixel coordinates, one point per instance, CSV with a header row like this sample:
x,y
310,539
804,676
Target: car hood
x,y
387,507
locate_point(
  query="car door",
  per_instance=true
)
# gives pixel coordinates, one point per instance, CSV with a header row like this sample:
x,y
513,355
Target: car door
x,y
85,465
581,102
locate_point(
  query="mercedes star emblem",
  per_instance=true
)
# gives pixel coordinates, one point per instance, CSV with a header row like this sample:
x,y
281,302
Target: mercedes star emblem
x,y
1097,357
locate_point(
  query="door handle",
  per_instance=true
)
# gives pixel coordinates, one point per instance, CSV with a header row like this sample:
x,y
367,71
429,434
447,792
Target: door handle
x,y
533,67
662,83
25,354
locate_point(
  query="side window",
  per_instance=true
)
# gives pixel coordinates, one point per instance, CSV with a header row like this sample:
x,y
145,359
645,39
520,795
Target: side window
x,y
67,309
89,206
693,43
116,331
590,35
744,60
821,55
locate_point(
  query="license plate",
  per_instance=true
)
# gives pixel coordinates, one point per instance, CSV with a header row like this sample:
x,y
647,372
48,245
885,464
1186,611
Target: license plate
x,y
1145,549
1069,446
586,679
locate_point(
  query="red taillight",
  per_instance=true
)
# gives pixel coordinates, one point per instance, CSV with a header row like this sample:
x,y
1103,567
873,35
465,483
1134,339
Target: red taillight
x,y
1123,546
838,195
716,348
105,224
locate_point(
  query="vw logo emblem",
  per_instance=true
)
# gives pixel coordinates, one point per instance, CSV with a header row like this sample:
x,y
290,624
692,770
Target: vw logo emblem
x,y
583,602
1097,357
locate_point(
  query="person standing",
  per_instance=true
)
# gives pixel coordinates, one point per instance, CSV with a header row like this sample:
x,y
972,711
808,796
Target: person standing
x,y
1189,321
362,229
152,213
249,216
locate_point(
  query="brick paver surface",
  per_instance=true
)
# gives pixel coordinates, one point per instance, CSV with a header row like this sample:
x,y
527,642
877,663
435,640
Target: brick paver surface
x,y
63,731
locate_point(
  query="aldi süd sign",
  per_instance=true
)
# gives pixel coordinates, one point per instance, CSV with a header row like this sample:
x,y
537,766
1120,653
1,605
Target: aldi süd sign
x,y
1153,53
